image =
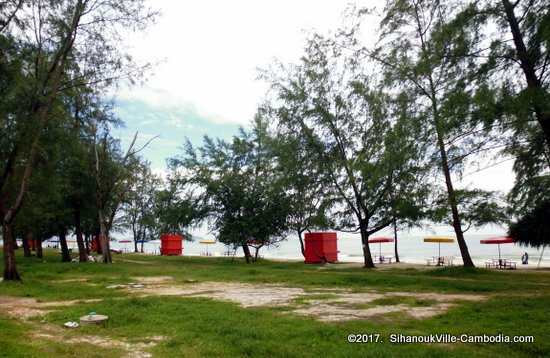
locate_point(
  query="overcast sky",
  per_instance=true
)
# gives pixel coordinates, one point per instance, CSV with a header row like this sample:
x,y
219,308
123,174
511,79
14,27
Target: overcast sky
x,y
208,55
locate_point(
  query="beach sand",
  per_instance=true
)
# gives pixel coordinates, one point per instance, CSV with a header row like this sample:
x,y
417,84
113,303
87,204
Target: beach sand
x,y
417,266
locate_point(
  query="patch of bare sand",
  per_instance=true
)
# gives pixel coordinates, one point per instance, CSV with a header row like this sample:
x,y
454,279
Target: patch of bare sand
x,y
338,313
340,305
25,308
350,306
337,304
245,294
132,349
153,279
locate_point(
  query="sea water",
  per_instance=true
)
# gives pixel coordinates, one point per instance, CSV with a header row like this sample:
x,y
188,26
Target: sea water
x,y
411,249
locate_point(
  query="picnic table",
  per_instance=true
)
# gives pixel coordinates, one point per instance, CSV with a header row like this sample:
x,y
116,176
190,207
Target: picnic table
x,y
502,264
381,259
440,261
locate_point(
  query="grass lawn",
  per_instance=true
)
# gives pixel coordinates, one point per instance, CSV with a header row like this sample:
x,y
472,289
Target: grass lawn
x,y
511,303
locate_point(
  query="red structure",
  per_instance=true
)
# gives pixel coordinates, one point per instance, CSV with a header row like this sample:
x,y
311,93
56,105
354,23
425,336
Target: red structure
x,y
95,244
171,244
32,242
321,247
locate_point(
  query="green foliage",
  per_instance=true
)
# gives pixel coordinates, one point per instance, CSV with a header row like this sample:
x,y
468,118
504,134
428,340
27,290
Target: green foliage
x,y
533,228
478,208
238,189
425,51
512,64
57,58
175,208
354,141
310,194
139,205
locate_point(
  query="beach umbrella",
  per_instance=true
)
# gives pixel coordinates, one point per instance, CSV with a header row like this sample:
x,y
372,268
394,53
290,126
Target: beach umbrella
x,y
379,241
439,240
124,242
497,241
207,242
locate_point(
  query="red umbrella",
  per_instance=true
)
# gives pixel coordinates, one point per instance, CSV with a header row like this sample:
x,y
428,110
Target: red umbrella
x,y
124,242
380,240
498,241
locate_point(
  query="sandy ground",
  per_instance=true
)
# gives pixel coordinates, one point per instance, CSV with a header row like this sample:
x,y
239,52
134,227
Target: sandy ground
x,y
324,304
408,265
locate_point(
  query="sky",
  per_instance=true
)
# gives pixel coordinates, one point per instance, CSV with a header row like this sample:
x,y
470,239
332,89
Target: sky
x,y
207,55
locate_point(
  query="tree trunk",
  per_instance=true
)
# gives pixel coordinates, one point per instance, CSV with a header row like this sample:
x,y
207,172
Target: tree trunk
x,y
538,97
136,236
363,225
246,251
395,238
105,247
452,202
26,245
448,180
65,255
257,252
82,256
10,267
302,247
39,253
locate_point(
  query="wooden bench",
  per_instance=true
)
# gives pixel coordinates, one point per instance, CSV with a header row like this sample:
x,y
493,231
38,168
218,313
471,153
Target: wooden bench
x,y
383,259
510,265
440,261
501,264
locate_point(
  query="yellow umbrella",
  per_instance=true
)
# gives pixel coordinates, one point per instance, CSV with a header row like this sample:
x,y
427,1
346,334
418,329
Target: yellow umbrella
x,y
207,242
439,240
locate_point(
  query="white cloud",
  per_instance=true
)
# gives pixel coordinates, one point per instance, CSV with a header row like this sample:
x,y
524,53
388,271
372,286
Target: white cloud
x,y
211,50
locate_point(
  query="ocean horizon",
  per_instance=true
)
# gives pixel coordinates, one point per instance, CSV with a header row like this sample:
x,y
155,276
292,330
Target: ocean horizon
x,y
411,249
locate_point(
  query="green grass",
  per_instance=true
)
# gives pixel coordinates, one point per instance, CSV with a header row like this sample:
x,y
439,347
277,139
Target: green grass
x,y
518,304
